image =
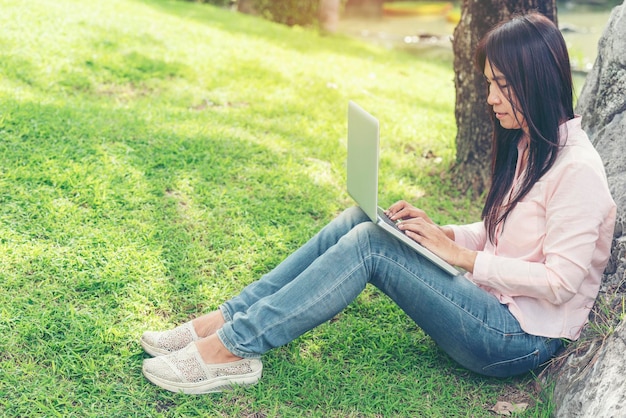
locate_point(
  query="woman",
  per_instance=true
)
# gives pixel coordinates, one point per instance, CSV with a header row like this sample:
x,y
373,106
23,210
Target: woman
x,y
533,263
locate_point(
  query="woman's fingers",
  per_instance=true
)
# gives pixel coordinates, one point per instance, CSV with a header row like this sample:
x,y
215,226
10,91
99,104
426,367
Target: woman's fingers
x,y
429,235
403,210
397,210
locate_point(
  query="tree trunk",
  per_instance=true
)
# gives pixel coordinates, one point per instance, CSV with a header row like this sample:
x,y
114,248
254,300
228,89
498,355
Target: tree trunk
x,y
329,15
247,7
473,139
364,8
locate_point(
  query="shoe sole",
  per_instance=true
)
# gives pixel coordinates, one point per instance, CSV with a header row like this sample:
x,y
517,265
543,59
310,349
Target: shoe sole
x,y
219,384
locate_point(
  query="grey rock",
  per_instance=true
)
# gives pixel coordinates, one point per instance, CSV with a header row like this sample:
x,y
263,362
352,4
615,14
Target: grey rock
x,y
590,382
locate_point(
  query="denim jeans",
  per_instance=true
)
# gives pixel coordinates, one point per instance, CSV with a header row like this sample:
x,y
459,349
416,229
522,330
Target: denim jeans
x,y
325,275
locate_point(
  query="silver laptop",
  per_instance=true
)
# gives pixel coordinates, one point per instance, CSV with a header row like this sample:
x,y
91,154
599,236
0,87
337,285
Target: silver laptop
x,y
363,145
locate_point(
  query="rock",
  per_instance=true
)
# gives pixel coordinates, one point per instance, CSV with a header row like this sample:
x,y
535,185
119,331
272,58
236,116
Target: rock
x,y
590,382
593,385
602,103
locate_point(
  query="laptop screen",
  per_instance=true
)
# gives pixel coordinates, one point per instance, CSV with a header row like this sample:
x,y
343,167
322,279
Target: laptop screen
x,y
363,132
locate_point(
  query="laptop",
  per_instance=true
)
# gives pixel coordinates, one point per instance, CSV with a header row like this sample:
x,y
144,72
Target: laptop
x,y
363,150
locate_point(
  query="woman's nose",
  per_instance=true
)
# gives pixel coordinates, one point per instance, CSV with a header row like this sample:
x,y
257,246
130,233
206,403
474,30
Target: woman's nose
x,y
492,97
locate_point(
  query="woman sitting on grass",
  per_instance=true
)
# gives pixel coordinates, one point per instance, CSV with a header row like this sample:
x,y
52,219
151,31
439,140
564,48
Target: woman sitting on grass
x,y
533,263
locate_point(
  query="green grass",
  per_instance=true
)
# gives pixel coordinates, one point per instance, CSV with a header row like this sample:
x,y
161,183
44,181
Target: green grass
x,y
156,157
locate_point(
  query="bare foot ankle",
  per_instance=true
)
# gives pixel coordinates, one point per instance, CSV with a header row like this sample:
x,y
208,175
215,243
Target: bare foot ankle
x,y
213,351
208,324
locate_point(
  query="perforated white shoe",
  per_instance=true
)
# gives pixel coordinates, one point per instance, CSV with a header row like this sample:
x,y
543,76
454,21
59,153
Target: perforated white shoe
x,y
185,371
159,343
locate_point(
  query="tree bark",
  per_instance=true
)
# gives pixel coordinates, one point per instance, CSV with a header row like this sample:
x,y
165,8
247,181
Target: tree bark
x,y
246,6
473,139
329,15
364,8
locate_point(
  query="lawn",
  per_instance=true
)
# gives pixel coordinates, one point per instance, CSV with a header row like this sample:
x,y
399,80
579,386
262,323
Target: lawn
x,y
156,157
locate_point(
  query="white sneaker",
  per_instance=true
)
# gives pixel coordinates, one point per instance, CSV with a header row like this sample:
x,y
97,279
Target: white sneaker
x,y
185,371
159,343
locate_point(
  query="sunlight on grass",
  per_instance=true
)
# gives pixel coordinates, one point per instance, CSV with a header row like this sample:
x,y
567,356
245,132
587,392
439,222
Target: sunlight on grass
x,y
159,155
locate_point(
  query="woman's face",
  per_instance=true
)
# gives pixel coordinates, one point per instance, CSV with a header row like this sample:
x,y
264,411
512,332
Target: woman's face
x,y
498,99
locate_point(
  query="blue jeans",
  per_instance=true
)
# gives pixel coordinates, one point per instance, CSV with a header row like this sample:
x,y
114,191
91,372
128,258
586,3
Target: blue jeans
x,y
326,274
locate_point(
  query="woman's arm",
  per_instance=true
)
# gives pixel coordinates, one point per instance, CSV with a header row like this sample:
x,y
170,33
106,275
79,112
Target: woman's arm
x,y
438,239
554,238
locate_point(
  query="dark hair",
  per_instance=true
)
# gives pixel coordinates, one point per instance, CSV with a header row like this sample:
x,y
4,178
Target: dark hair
x,y
530,52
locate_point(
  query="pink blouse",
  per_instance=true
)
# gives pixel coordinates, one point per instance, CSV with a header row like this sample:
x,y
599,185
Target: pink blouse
x,y
547,262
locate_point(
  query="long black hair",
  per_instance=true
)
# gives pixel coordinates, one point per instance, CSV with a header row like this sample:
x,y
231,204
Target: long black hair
x,y
530,52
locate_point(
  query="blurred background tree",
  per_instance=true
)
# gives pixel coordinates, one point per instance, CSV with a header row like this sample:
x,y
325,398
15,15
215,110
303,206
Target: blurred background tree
x,y
324,13
288,12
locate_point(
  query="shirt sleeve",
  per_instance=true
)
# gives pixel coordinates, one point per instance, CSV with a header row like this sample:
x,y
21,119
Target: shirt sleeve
x,y
471,236
576,202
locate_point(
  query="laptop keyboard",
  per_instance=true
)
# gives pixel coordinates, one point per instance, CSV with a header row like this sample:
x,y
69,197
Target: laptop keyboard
x,y
388,221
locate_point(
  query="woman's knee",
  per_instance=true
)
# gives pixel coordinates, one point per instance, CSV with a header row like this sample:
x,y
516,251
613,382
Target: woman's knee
x,y
365,233
350,218
355,214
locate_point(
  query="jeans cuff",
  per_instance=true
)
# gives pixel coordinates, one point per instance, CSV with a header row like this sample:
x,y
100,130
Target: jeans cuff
x,y
225,313
231,347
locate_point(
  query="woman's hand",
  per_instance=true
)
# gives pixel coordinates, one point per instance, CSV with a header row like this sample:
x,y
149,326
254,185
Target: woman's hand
x,y
403,210
440,240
